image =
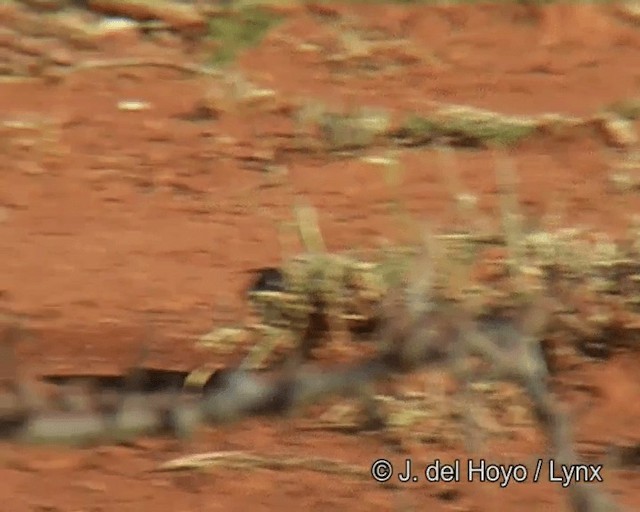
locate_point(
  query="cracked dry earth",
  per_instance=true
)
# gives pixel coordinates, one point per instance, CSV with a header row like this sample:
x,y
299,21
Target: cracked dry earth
x,y
110,218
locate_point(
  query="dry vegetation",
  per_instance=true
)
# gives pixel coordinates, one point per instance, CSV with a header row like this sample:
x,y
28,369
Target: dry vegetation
x,y
486,320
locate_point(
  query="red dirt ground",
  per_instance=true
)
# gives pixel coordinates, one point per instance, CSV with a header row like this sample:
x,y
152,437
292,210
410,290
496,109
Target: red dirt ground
x,y
125,216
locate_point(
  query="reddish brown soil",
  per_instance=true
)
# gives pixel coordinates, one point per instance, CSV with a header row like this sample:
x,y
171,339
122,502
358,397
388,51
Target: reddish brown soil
x,y
127,216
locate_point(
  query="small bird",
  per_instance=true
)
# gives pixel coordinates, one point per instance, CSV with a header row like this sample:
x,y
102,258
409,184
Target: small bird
x,y
268,279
